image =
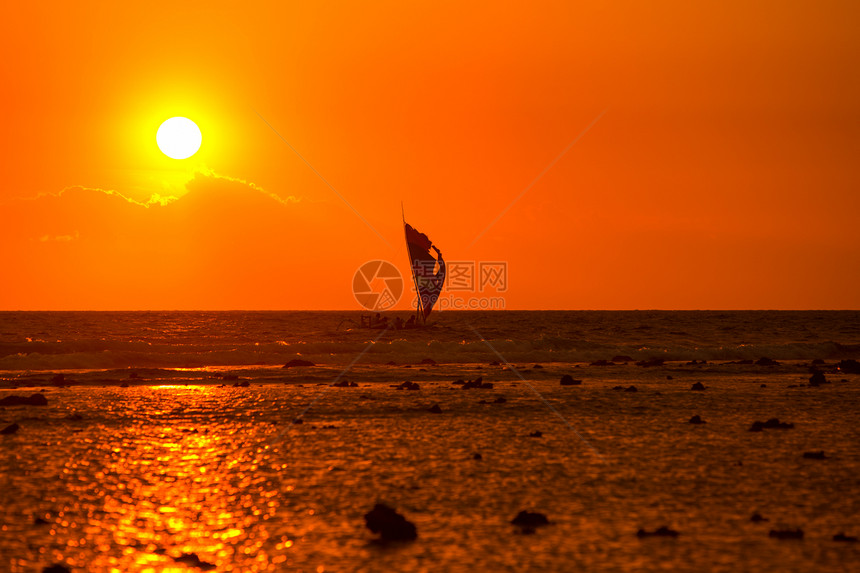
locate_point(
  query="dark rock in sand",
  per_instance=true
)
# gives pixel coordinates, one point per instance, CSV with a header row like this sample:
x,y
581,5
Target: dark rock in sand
x,y
817,362
618,388
230,377
124,385
621,358
631,389
32,400
786,533
298,362
500,400
601,363
478,383
537,366
494,363
669,377
347,384
698,386
536,434
458,382
663,531
194,561
764,361
817,379
435,409
391,363
771,424
845,538
409,386
757,518
650,362
56,568
763,386
429,361
815,455
568,380
530,519
390,525
10,429
696,420
697,362
242,384
298,421
849,366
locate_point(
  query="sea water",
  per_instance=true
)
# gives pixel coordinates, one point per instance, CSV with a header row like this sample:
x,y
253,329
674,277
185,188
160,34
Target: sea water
x,y
151,448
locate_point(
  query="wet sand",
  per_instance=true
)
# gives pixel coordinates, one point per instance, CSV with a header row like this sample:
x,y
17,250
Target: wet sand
x,y
134,478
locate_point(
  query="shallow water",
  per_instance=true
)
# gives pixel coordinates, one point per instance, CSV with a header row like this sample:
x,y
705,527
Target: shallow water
x,y
151,472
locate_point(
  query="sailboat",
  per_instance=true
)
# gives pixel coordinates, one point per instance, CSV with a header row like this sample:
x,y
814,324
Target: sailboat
x,y
428,272
428,277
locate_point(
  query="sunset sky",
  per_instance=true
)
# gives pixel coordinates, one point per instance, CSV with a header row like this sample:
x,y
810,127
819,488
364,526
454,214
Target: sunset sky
x,y
721,171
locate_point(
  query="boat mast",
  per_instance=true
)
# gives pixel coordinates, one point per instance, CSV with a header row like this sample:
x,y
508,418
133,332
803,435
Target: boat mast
x,y
420,308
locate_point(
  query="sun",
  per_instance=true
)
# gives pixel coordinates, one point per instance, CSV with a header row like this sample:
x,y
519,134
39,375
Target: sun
x,y
179,138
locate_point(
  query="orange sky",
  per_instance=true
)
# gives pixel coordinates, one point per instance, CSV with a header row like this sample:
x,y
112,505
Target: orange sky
x,y
723,173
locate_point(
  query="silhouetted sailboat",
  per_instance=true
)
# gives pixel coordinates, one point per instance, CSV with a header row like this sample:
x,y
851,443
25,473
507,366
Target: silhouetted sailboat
x,y
428,272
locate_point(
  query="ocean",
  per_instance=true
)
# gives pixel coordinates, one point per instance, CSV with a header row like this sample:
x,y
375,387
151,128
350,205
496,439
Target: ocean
x,y
170,441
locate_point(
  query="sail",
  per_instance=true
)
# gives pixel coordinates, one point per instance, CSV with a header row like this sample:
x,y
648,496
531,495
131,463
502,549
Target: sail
x,y
428,278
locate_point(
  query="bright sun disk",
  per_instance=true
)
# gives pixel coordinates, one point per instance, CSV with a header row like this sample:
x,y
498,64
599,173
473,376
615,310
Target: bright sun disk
x,y
179,138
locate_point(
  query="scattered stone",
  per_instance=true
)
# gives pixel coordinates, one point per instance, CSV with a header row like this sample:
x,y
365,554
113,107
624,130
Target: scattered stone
x,y
537,366
56,568
494,363
763,386
458,382
669,377
124,385
348,384
786,533
650,362
242,384
698,386
601,363
194,561
10,429
390,525
771,424
631,389
663,531
298,421
500,400
408,386
536,434
298,362
817,379
32,400
391,363
697,362
818,362
429,361
618,388
622,358
530,520
815,455
845,538
477,457
230,376
696,420
757,518
567,380
435,409
764,361
850,366
478,383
